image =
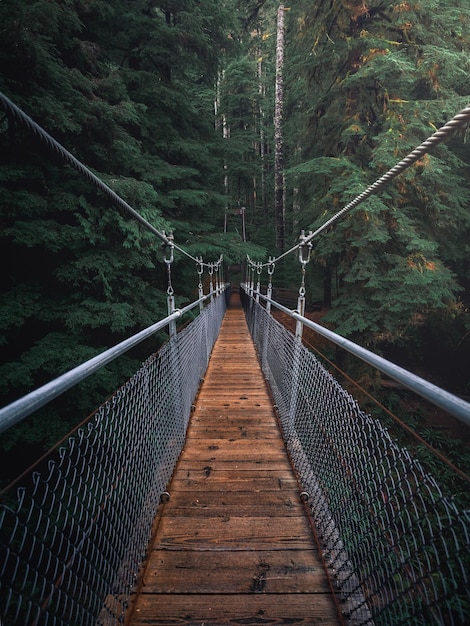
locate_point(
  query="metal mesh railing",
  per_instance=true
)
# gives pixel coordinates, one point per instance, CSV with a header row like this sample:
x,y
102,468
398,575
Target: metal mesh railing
x,y
397,544
74,532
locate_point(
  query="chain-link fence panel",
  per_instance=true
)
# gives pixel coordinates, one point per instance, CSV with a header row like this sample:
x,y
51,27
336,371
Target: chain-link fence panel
x,y
393,537
74,532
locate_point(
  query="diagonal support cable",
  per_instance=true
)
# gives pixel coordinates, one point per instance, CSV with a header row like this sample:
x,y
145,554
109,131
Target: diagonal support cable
x,y
54,146
458,121
15,113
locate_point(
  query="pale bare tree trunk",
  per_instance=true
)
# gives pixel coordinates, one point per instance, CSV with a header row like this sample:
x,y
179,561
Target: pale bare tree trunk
x,y
295,200
221,122
262,137
279,197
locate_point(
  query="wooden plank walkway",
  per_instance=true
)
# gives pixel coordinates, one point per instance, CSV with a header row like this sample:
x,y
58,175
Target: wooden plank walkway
x,y
233,545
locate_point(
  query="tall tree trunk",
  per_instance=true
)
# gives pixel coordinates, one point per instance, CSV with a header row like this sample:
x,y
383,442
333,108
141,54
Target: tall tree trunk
x,y
279,198
262,137
221,122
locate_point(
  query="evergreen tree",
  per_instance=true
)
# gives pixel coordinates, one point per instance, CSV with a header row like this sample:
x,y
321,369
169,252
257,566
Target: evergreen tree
x,y
279,175
246,119
128,88
239,108
377,80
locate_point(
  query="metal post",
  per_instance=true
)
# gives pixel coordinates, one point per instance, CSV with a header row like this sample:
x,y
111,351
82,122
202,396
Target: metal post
x,y
170,292
258,283
304,258
251,285
200,288
269,293
217,278
211,282
249,281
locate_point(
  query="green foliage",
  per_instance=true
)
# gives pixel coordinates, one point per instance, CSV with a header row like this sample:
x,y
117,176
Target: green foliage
x,y
367,85
230,245
128,88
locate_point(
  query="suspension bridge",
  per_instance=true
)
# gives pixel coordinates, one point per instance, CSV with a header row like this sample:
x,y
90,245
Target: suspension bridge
x,y
234,542
232,479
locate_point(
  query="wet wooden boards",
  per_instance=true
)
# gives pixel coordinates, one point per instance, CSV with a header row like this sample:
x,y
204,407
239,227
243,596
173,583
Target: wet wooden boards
x,y
233,544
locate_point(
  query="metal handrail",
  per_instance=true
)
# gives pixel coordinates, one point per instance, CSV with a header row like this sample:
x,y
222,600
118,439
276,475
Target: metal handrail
x,y
445,400
392,526
75,526
18,410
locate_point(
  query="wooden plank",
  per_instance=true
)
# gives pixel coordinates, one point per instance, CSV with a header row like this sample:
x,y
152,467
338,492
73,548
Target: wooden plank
x,y
271,474
279,571
216,609
239,500
234,533
249,484
209,504
239,446
233,544
231,420
246,430
236,449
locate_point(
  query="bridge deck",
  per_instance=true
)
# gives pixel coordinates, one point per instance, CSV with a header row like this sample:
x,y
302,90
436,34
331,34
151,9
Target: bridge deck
x,y
233,545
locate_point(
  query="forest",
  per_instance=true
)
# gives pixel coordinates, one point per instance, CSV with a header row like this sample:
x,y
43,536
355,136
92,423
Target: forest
x,y
175,105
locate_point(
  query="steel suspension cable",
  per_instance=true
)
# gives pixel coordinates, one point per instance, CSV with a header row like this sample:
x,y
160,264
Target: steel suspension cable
x,y
15,113
457,122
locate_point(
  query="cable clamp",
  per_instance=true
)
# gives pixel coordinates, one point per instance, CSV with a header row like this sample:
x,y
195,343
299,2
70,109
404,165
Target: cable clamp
x,y
169,244
200,266
305,248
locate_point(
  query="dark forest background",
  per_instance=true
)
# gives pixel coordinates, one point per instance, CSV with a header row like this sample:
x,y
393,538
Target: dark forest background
x,y
172,104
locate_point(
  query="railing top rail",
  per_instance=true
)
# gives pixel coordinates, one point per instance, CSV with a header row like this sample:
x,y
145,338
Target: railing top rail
x,y
20,409
393,524
445,400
